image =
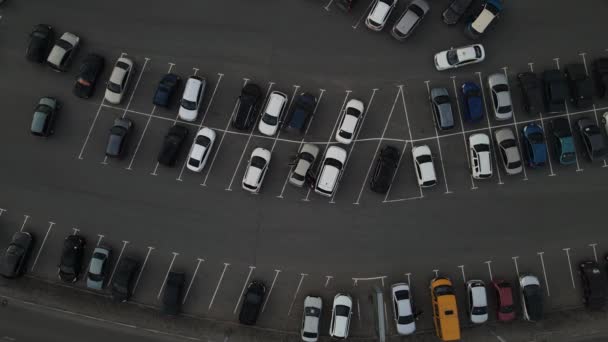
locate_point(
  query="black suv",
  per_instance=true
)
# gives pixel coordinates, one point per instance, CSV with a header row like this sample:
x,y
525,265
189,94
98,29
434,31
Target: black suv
x,y
252,303
532,92
555,91
385,168
172,299
15,256
87,76
41,41
172,144
581,86
247,107
122,283
595,144
600,70
594,285
70,264
303,108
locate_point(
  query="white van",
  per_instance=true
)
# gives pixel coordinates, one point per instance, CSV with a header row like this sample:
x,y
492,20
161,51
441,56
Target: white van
x,y
331,171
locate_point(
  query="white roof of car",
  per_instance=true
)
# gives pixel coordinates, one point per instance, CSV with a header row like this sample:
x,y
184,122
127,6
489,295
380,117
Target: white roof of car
x,y
357,104
329,174
483,20
528,280
349,123
378,14
275,103
466,53
191,89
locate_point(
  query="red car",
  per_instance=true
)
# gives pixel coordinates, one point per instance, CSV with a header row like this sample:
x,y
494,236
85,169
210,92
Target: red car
x,y
504,295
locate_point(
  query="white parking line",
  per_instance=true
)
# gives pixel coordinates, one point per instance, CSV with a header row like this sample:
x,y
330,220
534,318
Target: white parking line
x,y
485,104
2,211
542,263
162,286
489,269
75,231
86,140
504,69
25,219
464,278
99,238
219,282
327,280
578,167
582,54
328,4
464,137
276,275
51,224
124,245
141,270
251,268
409,278
531,65
295,295
592,245
542,123
567,250
436,273
363,15
198,264
516,266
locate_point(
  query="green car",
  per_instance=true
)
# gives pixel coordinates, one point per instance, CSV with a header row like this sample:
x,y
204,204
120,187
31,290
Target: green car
x,y
565,152
44,117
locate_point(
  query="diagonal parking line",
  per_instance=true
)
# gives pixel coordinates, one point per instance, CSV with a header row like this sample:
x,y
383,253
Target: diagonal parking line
x,y
162,287
464,137
328,4
492,148
251,268
276,275
25,219
363,15
217,287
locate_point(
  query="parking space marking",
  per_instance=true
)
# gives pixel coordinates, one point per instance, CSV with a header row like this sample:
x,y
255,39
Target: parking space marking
x,y
2,211
504,69
141,270
516,266
363,15
198,264
327,279
464,277
531,65
105,159
236,169
328,4
592,245
542,263
390,186
25,219
352,146
358,310
582,54
331,134
492,148
51,224
124,245
195,71
276,275
489,269
171,65
295,295
162,286
557,62
578,167
219,282
200,125
302,142
75,231
464,137
86,140
436,273
369,169
251,268
567,250
100,237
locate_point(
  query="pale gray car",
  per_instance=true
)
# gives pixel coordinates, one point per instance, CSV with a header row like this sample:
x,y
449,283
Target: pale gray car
x,y
509,151
411,17
98,268
501,96
305,160
442,108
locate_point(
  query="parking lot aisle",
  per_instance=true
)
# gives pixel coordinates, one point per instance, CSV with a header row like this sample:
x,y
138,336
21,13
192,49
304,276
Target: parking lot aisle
x,y
464,136
490,132
42,245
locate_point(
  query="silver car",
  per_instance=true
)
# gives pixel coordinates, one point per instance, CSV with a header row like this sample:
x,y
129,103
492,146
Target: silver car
x,y
501,96
411,17
63,52
119,80
509,151
304,162
98,268
442,108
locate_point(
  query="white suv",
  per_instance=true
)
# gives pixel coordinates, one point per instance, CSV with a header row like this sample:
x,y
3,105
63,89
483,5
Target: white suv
x,y
350,121
455,58
379,14
340,316
256,170
479,151
331,171
271,117
477,301
310,322
192,98
201,149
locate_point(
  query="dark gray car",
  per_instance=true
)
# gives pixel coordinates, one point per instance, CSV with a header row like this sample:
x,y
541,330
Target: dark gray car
x,y
442,108
118,137
44,117
411,17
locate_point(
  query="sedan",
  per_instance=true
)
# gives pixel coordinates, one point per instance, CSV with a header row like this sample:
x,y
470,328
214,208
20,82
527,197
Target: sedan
x,y
14,258
581,86
303,108
385,168
531,297
458,57
256,170
472,102
479,152
509,151
124,279
310,321
192,98
63,52
252,303
117,140
379,14
455,11
98,268
44,117
70,264
442,108
172,144
534,146
303,165
350,121
330,171
594,141
271,117
532,91
119,80
594,285
403,309
425,169
504,295
411,17
41,40
501,96
555,91
563,141
166,89
87,77
201,149
477,301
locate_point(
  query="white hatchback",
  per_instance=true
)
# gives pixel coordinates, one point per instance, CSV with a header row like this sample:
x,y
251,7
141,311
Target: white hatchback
x,y
192,98
379,14
271,117
201,149
331,171
403,309
455,58
256,170
479,151
477,301
340,316
425,169
350,121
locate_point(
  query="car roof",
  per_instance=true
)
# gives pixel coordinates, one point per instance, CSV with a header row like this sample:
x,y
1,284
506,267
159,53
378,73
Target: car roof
x,y
275,103
379,12
192,88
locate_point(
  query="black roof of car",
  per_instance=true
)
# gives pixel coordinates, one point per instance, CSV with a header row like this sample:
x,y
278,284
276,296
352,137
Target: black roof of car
x,y
534,301
250,310
173,292
171,144
561,127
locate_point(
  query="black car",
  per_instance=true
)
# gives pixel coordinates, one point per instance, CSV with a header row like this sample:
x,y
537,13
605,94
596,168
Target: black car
x,y
165,92
70,264
41,41
14,258
172,299
532,92
117,140
455,11
172,144
595,144
600,71
385,168
594,285
252,303
123,281
555,91
581,86
44,117
303,108
90,69
247,107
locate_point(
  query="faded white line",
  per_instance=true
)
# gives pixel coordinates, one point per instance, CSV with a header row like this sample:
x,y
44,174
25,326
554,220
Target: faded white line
x,y
295,295
141,270
162,286
219,282
51,224
198,264
251,268
124,245
276,275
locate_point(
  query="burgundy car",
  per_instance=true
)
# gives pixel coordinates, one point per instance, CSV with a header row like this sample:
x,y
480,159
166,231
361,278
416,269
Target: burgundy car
x,y
504,295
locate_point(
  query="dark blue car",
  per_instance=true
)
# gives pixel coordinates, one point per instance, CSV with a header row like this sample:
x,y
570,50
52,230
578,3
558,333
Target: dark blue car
x,y
166,89
471,101
535,148
304,106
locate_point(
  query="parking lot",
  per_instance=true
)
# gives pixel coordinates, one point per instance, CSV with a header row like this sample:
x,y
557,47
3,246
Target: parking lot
x,y
543,221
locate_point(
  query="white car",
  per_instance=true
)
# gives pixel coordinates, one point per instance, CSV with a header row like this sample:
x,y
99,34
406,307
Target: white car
x,y
605,121
425,169
340,316
403,309
192,98
271,117
455,58
63,52
310,321
479,151
119,80
378,16
331,171
256,170
477,301
509,151
350,121
501,96
305,161
201,149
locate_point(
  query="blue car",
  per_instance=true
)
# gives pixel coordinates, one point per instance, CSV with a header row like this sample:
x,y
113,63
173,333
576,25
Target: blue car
x,y
535,148
471,101
167,87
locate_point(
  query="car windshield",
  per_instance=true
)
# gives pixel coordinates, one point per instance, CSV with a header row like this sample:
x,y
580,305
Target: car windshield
x,y
417,10
442,99
203,141
504,109
353,112
405,319
479,310
499,88
194,162
481,148
508,143
95,277
424,159
346,135
342,310
117,130
402,295
258,162
443,290
114,87
333,162
64,45
452,57
309,334
307,156
269,119
298,177
514,165
568,156
38,34
189,105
